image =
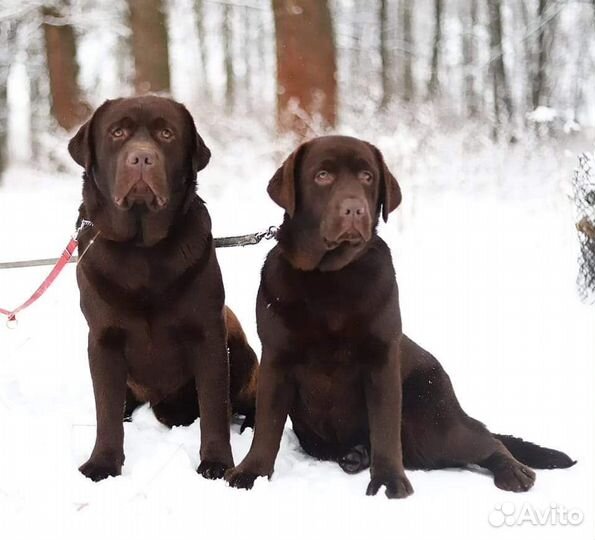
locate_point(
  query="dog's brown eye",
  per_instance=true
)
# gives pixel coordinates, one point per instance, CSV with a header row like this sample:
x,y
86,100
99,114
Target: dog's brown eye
x,y
166,133
366,177
117,133
323,177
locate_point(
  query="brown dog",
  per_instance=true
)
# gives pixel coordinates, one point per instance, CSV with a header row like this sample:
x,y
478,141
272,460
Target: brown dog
x,y
151,288
334,357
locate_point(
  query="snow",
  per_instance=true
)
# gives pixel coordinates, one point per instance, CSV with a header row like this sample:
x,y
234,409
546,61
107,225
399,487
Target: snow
x,y
543,115
487,281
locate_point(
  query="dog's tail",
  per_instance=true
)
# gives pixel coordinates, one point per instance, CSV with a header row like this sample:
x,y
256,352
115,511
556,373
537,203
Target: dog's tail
x,y
533,455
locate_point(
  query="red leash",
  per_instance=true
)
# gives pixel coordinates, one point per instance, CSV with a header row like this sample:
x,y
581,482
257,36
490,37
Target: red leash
x,y
67,254
55,272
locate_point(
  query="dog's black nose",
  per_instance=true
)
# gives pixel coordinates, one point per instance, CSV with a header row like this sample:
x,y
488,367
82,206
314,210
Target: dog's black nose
x,y
352,207
141,158
590,198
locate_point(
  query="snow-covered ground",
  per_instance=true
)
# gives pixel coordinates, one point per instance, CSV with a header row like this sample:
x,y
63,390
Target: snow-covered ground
x,y
487,284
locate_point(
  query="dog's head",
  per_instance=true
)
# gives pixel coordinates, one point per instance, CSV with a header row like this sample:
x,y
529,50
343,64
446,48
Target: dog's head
x,y
333,190
141,156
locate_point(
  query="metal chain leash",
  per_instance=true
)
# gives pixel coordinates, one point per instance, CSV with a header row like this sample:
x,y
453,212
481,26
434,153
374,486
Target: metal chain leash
x,y
225,241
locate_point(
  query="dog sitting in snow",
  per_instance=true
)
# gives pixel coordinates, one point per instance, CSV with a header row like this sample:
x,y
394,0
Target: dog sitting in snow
x,y
150,285
334,357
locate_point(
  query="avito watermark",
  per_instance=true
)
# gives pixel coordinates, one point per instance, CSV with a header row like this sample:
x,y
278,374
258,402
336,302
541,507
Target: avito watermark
x,y
510,515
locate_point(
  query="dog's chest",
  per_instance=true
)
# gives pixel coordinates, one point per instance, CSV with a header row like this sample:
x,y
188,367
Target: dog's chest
x,y
315,321
134,281
157,356
138,273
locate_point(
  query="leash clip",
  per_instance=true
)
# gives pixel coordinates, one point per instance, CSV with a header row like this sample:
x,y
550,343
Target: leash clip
x,y
269,234
85,223
11,322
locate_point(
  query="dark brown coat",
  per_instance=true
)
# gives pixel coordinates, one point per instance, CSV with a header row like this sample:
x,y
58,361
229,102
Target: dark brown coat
x,y
150,285
334,357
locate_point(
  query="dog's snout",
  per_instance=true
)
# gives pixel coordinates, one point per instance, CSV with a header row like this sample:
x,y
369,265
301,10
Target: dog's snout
x,y
353,207
141,158
350,222
141,179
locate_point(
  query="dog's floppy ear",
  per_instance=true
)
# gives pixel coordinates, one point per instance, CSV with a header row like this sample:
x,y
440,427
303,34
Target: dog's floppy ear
x,y
200,151
390,192
79,146
201,155
281,186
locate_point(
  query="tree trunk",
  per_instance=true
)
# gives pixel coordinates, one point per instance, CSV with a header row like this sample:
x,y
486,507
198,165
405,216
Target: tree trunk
x,y
501,91
68,108
202,46
386,67
434,83
582,62
263,41
149,46
248,56
7,38
356,53
528,60
230,82
306,64
539,81
3,118
469,56
407,29
39,107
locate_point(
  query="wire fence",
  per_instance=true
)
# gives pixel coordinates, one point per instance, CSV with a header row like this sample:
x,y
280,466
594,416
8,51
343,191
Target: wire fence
x,y
584,199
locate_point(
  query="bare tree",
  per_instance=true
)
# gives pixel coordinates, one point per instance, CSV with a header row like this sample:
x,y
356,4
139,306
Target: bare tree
x,y
306,64
539,79
68,107
408,46
386,64
248,56
149,46
263,39
38,94
202,45
227,31
500,88
469,56
434,83
356,53
7,39
581,65
528,73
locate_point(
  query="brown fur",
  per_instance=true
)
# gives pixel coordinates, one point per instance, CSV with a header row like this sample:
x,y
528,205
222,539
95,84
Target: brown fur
x,y
151,287
335,360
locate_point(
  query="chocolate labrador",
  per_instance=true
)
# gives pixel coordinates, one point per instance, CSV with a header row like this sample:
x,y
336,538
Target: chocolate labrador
x,y
150,285
334,357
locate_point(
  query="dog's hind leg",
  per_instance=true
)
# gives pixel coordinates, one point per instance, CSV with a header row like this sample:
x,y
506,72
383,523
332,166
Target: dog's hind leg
x,y
437,433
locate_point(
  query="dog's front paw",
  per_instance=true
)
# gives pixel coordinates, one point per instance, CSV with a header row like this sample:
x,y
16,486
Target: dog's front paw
x,y
97,469
397,485
240,479
212,470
